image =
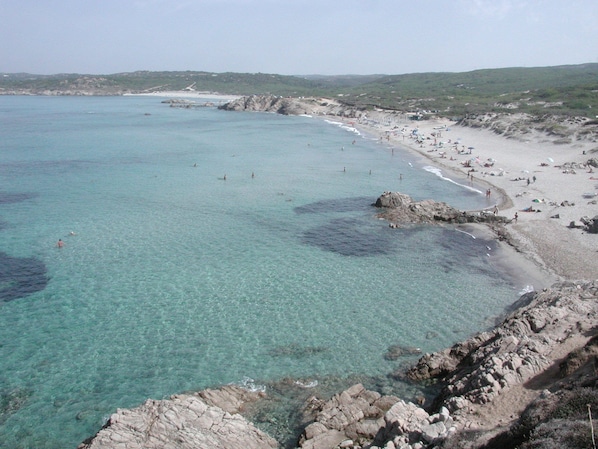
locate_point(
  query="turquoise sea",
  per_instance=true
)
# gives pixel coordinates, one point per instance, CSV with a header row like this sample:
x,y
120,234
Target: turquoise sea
x,y
177,279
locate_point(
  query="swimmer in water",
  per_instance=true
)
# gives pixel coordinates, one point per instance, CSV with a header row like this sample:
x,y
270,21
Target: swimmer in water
x,y
60,243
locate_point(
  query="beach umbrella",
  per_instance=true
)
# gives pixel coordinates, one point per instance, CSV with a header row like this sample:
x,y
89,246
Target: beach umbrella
x,y
470,148
549,159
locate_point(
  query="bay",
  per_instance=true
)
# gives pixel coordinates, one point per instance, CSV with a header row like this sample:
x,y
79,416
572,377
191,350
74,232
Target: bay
x,y
204,247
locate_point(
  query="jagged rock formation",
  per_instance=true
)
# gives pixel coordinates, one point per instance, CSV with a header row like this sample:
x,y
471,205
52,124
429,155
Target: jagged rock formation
x,y
478,370
267,103
359,418
401,209
209,420
591,224
293,106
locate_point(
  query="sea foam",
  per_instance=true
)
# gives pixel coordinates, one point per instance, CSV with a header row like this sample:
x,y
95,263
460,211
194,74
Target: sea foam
x,y
438,173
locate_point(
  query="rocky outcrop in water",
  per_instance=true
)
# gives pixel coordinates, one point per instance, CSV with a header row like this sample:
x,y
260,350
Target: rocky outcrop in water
x,y
188,104
477,370
207,420
401,209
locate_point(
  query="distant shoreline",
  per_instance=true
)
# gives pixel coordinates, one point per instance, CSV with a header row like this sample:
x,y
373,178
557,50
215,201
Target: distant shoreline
x,y
185,94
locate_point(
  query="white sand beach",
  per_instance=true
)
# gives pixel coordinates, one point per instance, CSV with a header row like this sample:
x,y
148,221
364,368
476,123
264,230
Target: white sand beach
x,y
557,193
188,94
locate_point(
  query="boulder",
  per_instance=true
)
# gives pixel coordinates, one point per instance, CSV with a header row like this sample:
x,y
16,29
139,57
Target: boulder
x,y
361,418
181,422
354,414
590,224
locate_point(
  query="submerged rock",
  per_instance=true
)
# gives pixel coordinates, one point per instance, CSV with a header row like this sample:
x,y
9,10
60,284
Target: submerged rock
x,y
21,276
395,351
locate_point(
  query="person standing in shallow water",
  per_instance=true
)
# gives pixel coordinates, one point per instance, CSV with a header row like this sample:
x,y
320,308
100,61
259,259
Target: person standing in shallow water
x,y
60,243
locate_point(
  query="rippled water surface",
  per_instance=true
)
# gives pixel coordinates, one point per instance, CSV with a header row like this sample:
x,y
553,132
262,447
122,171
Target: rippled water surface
x,y
178,279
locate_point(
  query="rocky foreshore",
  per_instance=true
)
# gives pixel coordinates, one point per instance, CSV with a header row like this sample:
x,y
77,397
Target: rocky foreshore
x,y
541,356
283,105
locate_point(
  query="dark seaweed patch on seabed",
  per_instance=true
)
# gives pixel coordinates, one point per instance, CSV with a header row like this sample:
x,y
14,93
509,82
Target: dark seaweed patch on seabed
x,y
346,236
21,276
8,198
336,205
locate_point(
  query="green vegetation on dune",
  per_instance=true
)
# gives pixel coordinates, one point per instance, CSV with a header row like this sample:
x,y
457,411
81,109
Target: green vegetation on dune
x,y
561,90
568,90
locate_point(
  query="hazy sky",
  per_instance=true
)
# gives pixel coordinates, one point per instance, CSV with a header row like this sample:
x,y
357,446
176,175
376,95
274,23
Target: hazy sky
x,y
294,37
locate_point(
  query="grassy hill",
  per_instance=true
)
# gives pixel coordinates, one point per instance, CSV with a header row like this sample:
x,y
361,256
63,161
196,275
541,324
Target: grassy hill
x,y
568,90
139,82
562,90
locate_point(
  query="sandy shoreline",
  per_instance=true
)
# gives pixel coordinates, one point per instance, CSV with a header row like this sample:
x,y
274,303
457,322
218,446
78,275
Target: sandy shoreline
x,y
188,94
557,194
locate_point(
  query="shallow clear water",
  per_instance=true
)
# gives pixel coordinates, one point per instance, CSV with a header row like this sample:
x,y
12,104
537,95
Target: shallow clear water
x,y
178,279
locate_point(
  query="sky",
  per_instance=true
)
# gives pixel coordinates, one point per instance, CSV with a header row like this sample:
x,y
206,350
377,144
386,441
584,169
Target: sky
x,y
294,37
